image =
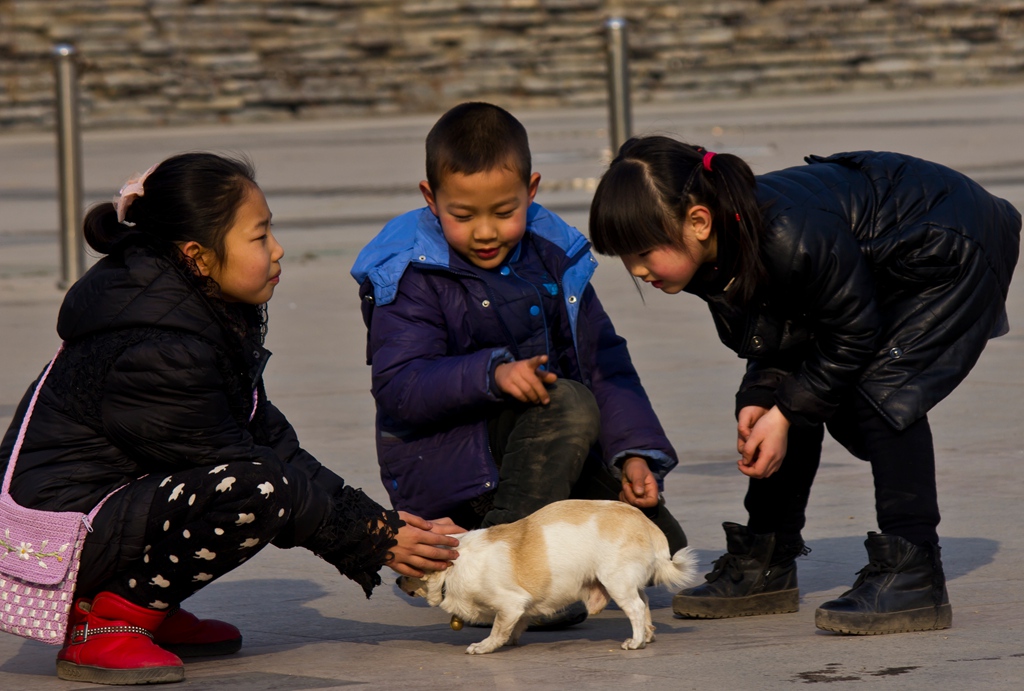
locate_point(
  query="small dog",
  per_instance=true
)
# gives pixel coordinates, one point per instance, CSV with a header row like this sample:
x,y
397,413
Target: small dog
x,y
568,551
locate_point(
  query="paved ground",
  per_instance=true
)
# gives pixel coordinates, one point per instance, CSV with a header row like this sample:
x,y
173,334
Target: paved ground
x,y
331,185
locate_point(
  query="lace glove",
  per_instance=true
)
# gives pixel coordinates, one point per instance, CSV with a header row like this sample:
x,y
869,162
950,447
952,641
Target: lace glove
x,y
356,537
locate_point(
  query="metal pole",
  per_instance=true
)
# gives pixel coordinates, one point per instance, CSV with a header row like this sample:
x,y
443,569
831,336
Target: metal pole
x,y
69,166
620,119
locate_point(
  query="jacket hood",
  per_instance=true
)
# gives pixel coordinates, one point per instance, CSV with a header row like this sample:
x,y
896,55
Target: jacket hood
x,y
136,289
416,237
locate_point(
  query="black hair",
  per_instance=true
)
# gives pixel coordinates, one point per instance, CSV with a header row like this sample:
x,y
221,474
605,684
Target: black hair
x,y
475,137
191,196
188,197
644,196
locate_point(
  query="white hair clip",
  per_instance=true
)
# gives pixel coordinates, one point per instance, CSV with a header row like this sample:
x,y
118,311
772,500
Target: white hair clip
x,y
129,191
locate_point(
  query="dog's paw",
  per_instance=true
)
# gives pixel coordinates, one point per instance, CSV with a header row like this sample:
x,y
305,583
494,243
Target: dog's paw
x,y
650,634
481,648
632,644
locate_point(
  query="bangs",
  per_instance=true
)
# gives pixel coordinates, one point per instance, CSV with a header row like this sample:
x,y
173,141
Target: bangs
x,y
626,215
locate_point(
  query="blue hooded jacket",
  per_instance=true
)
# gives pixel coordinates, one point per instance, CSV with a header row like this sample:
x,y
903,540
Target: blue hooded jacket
x,y
433,343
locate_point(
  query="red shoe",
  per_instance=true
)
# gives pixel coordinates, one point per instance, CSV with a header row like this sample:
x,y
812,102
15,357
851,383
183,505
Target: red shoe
x,y
186,635
110,641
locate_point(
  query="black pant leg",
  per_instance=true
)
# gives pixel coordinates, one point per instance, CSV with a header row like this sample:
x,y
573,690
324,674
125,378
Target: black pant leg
x,y
202,523
543,453
903,467
778,503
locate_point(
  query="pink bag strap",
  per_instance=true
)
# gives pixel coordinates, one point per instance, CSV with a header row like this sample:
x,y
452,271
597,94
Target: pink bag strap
x,y
5,492
24,425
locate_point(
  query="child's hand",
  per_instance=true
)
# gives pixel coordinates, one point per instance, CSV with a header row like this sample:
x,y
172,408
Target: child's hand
x,y
523,381
765,447
445,526
639,486
745,422
420,549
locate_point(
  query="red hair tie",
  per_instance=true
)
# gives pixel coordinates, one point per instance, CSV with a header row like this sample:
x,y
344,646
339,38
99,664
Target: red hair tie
x,y
707,159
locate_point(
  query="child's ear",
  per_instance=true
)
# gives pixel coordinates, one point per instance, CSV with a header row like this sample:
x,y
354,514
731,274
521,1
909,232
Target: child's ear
x,y
428,195
699,217
532,187
194,251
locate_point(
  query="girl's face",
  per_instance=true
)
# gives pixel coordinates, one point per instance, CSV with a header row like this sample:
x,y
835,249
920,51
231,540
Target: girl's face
x,y
251,266
670,268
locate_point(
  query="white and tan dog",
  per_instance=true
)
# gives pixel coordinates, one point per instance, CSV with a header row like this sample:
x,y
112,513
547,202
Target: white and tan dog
x,y
569,551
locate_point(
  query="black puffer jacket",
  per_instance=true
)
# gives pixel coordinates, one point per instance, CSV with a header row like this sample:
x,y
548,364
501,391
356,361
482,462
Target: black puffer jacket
x,y
152,380
886,272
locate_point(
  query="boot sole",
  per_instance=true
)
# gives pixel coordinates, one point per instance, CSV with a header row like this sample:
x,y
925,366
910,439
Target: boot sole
x,y
203,649
69,671
873,624
779,602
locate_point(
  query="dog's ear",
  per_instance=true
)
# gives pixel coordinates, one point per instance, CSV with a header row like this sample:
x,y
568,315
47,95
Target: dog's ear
x,y
434,582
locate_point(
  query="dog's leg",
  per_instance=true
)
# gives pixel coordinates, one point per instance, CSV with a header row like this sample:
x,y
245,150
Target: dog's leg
x,y
504,626
597,598
649,628
630,602
520,626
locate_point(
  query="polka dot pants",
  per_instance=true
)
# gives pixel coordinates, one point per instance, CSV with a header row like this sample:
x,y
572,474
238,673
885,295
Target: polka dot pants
x,y
203,523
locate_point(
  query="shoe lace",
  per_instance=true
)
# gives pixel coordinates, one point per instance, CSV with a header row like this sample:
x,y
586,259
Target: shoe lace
x,y
725,564
793,553
873,569
728,564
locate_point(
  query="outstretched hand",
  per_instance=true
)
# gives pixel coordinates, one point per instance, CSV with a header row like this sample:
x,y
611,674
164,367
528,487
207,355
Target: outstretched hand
x,y
524,381
423,545
639,486
762,438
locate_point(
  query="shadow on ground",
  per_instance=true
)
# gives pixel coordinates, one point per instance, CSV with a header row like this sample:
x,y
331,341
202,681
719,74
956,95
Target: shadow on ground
x,y
285,619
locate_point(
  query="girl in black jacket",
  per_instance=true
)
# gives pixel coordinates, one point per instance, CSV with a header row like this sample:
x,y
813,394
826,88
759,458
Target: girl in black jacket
x,y
158,390
861,288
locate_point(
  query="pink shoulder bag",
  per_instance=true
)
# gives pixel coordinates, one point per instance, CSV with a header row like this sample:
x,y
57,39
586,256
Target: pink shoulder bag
x,y
39,556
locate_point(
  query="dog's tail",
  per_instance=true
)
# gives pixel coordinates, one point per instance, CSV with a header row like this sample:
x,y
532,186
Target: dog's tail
x,y
680,572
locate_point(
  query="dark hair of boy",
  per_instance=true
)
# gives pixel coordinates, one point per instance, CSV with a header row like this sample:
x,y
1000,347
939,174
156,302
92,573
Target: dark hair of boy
x,y
475,137
656,180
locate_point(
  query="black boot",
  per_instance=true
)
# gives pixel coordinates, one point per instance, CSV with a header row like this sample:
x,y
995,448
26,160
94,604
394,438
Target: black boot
x,y
901,589
755,576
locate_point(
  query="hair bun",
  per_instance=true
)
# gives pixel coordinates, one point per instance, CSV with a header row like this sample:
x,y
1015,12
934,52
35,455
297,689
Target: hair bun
x,y
101,229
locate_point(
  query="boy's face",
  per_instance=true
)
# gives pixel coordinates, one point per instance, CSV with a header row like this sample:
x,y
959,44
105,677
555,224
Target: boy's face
x,y
483,215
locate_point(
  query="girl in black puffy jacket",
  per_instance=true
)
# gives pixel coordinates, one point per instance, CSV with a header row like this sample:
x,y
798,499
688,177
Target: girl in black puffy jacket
x,y
158,390
861,289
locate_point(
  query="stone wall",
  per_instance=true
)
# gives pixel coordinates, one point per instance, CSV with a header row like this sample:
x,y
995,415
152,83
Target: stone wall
x,y
156,62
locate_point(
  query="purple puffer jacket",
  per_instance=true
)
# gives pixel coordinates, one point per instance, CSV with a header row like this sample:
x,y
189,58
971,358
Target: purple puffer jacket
x,y
433,341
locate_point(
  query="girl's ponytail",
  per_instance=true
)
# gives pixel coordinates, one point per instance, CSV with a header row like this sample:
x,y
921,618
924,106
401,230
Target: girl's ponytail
x,y
739,215
101,229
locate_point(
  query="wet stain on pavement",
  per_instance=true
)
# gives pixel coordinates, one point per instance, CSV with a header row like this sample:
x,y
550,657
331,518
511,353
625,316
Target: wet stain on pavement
x,y
892,671
833,672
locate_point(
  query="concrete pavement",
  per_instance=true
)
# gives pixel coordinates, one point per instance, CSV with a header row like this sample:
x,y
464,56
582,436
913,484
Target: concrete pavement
x,y
332,185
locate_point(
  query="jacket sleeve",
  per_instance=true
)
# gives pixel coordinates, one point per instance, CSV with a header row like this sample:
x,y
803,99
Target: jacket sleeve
x,y
285,443
415,379
629,426
824,277
164,404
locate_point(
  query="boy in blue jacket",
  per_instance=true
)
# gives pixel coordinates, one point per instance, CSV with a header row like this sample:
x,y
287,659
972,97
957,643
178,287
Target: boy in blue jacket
x,y
501,385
